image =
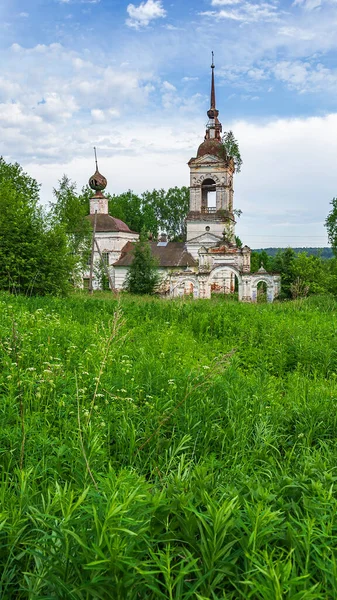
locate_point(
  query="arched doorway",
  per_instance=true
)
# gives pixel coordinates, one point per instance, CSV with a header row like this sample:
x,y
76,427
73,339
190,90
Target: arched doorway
x,y
185,287
261,292
225,280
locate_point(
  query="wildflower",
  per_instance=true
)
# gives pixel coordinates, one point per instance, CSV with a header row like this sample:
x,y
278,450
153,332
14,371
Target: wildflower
x,y
300,435
171,382
205,367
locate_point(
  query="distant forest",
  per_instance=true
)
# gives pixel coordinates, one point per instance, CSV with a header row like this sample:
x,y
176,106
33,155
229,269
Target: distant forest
x,y
322,252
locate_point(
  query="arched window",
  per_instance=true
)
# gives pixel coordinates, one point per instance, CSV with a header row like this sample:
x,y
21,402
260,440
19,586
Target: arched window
x,y
208,197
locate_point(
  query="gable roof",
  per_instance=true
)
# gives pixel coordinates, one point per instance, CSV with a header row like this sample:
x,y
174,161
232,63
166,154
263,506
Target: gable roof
x,y
174,254
107,223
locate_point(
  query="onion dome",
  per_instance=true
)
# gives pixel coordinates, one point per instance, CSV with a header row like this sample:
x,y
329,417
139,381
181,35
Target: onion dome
x,y
97,181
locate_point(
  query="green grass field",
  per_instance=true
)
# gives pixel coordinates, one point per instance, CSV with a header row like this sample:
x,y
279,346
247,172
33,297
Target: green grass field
x,y
167,449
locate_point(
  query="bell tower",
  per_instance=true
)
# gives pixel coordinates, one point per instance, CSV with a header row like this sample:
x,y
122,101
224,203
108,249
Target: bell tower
x,y
210,218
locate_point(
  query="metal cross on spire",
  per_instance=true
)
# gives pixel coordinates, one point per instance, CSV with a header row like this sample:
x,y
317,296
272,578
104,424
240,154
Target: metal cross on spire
x,y
95,158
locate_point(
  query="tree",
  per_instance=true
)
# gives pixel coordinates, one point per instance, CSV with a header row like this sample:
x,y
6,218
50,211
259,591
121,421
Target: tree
x,y
254,262
143,276
34,254
127,207
331,225
154,211
311,273
260,259
70,210
283,264
232,149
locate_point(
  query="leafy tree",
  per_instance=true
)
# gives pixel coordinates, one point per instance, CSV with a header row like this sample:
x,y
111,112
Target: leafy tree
x,y
283,264
265,260
127,207
34,253
154,211
238,241
331,225
143,276
232,149
175,209
70,211
254,262
101,276
259,259
312,273
299,289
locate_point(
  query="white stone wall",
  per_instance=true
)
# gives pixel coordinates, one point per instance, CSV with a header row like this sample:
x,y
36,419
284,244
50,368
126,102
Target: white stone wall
x,y
111,242
120,274
198,228
99,204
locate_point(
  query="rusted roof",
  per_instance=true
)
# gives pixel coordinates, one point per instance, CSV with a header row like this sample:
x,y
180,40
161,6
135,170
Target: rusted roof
x,y
174,254
212,146
108,223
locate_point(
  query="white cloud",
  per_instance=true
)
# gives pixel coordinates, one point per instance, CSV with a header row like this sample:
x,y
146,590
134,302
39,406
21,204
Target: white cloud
x,y
24,15
248,12
48,105
169,87
303,76
287,180
102,116
142,15
308,4
224,2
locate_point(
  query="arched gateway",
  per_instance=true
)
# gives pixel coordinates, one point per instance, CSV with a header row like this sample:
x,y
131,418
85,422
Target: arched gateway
x,y
223,278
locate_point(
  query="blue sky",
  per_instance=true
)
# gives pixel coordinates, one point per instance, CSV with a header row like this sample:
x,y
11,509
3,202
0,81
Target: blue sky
x,y
133,79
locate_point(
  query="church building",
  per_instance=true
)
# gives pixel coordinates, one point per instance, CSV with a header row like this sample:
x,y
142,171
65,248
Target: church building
x,y
209,260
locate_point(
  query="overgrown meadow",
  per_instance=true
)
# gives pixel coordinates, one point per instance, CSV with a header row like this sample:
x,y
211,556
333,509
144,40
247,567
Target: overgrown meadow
x,y
167,449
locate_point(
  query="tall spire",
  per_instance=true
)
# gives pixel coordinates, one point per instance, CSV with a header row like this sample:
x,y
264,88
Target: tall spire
x,y
212,86
214,127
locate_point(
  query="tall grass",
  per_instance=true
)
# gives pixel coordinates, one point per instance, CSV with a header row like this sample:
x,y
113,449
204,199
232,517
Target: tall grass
x,y
153,449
